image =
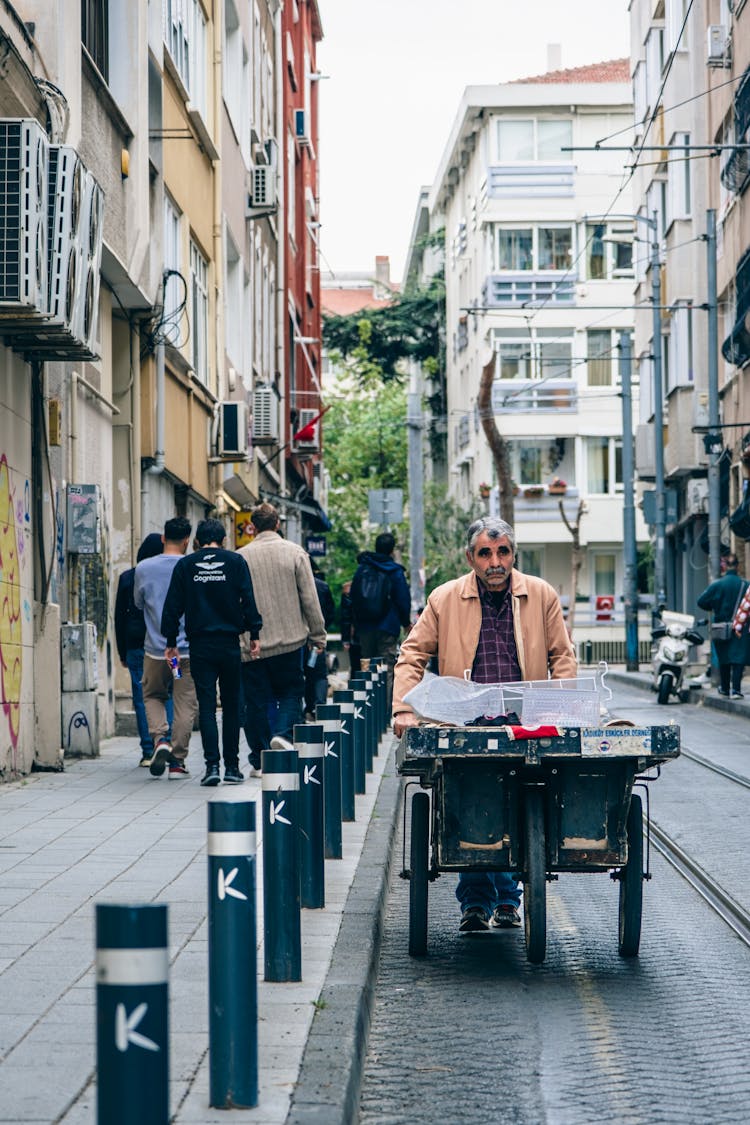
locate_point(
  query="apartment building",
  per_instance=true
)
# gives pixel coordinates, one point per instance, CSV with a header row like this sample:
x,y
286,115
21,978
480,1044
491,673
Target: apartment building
x,y
539,273
151,365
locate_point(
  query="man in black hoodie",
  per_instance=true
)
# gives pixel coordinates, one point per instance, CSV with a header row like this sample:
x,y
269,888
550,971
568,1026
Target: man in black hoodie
x,y
213,588
381,603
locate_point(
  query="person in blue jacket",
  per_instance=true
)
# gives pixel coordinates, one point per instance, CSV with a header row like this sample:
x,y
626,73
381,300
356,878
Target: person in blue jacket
x,y
381,603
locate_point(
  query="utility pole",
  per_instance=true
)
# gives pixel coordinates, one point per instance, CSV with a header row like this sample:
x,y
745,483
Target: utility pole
x,y
416,491
713,439
660,583
630,550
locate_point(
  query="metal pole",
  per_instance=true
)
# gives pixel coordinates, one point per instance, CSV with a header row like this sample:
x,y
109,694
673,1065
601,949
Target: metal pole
x,y
329,717
232,971
345,700
630,550
715,446
660,583
416,492
360,685
282,937
310,746
132,1014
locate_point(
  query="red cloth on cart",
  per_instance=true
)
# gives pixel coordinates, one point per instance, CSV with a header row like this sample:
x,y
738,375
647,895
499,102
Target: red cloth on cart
x,y
515,734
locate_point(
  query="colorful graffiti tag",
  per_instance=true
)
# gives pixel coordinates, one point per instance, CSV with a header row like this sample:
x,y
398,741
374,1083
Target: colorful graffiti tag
x,y
11,649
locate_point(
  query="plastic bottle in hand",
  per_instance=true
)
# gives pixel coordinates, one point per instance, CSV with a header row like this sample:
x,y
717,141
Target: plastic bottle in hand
x,y
174,664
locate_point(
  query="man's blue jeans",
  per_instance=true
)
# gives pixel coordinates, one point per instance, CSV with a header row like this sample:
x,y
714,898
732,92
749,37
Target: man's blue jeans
x,y
487,889
134,661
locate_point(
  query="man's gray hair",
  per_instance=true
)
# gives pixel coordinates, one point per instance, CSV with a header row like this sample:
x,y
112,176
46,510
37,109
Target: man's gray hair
x,y
495,528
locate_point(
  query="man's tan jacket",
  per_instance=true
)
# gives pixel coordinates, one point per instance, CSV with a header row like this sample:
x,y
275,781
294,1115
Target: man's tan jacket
x,y
285,594
450,623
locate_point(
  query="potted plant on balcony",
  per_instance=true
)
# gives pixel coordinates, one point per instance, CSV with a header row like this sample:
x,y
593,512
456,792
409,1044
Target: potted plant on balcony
x,y
484,490
557,487
533,491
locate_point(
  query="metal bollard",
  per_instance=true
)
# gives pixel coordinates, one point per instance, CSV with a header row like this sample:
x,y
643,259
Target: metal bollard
x,y
132,1014
310,745
359,723
360,683
329,716
378,707
345,701
282,938
232,968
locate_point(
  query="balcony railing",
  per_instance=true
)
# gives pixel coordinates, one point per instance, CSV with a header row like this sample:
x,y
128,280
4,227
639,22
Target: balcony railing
x,y
522,181
551,287
517,396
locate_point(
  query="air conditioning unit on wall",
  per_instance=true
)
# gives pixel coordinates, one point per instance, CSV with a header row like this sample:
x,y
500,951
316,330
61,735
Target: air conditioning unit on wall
x,y
313,445
233,430
87,307
265,415
24,155
65,204
302,126
262,192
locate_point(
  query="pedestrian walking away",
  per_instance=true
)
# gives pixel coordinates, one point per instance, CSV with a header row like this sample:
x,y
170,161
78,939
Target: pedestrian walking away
x,y
213,589
505,626
732,649
274,684
150,585
349,638
316,663
130,635
381,603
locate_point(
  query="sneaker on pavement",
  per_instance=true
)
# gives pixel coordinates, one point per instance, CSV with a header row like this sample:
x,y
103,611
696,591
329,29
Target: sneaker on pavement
x,y
254,771
162,755
279,743
722,692
211,776
178,770
505,916
736,695
233,775
474,920
146,759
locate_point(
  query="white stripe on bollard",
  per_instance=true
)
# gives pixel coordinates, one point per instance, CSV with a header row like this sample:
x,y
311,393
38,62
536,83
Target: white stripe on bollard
x,y
231,843
132,966
274,781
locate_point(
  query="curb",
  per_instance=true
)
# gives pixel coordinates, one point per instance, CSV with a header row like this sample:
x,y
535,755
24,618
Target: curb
x,y
328,1086
641,681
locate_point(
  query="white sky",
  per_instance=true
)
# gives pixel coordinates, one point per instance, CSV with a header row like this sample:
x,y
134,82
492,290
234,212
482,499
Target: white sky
x,y
398,69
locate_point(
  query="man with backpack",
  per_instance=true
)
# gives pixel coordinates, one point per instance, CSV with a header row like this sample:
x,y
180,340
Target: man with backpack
x,y
381,603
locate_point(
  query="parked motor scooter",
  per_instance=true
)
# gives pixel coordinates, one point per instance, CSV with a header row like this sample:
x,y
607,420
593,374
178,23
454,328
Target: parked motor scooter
x,y
672,636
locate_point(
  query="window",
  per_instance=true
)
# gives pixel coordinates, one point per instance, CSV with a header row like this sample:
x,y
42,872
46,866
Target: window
x,y
604,573
645,386
234,291
654,64
514,249
678,179
639,92
656,201
530,458
185,37
679,350
95,33
604,466
555,248
543,353
534,248
291,170
236,75
530,139
609,251
533,462
676,10
599,357
199,313
174,290
532,561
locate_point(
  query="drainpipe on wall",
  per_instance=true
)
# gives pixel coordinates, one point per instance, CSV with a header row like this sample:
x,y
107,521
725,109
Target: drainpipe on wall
x,y
159,461
281,233
217,236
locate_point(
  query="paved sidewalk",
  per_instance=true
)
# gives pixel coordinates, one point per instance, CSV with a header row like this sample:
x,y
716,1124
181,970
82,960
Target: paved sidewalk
x,y
105,830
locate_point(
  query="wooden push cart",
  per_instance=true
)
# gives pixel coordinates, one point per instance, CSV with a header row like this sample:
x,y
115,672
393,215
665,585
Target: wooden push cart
x,y
533,806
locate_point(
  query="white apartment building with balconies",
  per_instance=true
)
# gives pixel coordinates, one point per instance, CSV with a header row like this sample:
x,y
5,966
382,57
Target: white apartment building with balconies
x,y
539,269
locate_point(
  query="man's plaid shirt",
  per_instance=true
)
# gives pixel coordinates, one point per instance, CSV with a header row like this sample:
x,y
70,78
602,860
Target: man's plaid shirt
x,y
496,660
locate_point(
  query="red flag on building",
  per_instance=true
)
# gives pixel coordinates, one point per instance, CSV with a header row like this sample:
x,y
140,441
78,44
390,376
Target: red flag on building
x,y
307,433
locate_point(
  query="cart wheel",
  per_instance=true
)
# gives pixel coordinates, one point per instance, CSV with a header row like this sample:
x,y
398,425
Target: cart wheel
x,y
665,687
419,858
534,879
631,884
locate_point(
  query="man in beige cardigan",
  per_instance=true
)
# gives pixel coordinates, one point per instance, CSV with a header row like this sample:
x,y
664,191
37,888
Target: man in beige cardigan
x,y
502,626
273,683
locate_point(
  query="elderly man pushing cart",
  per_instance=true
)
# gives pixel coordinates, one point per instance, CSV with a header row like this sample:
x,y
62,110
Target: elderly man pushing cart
x,y
503,626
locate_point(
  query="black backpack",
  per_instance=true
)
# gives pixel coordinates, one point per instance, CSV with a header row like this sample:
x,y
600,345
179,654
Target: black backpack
x,y
370,595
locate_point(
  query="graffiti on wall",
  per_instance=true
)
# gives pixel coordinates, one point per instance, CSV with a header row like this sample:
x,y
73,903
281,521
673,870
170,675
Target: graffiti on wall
x,y
14,514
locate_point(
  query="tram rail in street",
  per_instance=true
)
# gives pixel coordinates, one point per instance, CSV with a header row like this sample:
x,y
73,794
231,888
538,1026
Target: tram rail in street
x,y
735,916
709,765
